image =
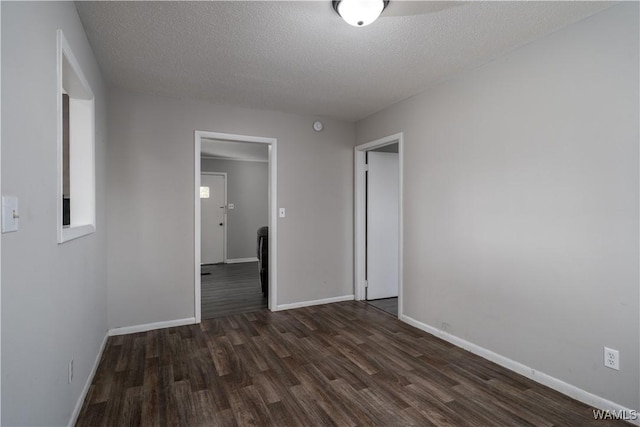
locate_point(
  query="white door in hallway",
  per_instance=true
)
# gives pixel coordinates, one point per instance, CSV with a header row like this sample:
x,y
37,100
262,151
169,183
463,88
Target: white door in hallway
x,y
212,218
382,225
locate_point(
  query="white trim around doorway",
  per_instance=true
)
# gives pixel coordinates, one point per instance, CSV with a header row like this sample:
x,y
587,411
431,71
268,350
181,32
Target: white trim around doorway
x,y
360,211
273,214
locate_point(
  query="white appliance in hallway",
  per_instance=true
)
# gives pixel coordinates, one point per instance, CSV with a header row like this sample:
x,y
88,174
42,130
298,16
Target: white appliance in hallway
x,y
382,225
212,218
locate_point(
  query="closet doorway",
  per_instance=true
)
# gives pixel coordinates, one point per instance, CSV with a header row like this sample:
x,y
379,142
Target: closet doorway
x,y
378,257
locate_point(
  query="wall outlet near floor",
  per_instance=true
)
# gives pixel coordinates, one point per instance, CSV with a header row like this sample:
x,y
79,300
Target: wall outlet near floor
x,y
70,371
611,358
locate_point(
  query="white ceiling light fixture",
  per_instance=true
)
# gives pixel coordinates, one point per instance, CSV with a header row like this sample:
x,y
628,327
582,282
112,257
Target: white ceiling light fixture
x,y
359,12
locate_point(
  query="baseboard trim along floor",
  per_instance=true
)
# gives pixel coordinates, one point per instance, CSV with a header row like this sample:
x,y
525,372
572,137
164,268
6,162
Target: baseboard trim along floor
x,y
151,326
241,260
314,302
87,384
526,371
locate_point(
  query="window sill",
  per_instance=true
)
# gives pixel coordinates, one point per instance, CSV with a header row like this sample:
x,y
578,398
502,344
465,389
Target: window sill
x,y
71,233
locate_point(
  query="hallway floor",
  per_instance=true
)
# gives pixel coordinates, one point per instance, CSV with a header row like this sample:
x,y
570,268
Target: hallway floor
x,y
390,305
231,289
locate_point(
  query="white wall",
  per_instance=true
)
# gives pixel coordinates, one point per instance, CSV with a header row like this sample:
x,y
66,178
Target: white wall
x,y
53,296
521,203
248,190
151,229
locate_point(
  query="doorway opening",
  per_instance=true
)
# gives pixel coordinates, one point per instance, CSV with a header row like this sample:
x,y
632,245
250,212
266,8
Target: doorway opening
x,y
378,223
235,224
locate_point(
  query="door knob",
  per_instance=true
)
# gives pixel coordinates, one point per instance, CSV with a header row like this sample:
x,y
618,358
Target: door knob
x,y
220,224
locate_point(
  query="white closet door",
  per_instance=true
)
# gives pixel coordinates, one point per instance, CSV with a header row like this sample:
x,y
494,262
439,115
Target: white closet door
x,y
382,225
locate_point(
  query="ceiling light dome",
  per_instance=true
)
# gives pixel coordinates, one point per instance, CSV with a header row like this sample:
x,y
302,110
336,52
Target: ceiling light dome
x,y
359,12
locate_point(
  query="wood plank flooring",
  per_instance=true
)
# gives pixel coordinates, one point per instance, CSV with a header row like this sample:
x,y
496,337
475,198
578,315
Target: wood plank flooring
x,y
343,364
231,289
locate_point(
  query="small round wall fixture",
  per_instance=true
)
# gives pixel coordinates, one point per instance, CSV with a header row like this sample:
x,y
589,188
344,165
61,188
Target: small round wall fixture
x,y
318,126
359,12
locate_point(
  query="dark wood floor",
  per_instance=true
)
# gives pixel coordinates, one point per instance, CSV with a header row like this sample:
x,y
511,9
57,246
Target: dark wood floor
x,y
231,289
390,305
343,364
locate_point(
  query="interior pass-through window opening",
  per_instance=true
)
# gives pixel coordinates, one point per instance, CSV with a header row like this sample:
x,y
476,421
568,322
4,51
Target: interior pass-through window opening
x,y
76,147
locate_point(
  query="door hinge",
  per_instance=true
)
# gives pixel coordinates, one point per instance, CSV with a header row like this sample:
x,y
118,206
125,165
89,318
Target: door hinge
x,y
366,283
366,168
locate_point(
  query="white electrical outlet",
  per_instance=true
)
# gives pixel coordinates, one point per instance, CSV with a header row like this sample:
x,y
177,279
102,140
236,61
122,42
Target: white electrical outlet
x,y
70,371
611,358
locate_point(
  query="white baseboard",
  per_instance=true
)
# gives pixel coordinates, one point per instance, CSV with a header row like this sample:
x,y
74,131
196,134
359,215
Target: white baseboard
x,y
314,302
526,371
239,260
85,390
151,326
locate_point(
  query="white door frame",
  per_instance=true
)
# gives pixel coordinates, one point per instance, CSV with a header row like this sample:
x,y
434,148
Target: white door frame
x,y
273,214
224,214
360,213
0,241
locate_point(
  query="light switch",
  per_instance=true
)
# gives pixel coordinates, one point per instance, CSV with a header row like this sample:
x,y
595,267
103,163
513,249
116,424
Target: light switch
x,y
231,206
282,213
9,214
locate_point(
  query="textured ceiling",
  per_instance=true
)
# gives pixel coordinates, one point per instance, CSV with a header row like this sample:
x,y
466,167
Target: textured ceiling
x,y
300,56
